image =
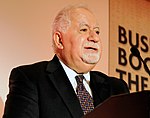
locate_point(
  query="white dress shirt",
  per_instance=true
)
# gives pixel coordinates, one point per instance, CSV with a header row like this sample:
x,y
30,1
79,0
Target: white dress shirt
x,y
71,75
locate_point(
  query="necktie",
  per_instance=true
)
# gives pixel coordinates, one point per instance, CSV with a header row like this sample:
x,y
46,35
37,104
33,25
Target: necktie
x,y
84,97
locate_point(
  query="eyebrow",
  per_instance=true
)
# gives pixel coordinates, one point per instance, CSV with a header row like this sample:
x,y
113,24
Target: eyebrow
x,y
85,24
96,27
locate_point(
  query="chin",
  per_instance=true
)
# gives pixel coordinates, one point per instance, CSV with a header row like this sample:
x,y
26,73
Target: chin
x,y
90,59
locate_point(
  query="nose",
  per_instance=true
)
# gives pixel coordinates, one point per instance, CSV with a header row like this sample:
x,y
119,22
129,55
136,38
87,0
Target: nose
x,y
93,37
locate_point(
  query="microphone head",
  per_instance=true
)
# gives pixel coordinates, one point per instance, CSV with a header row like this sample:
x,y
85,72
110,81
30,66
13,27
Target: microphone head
x,y
135,51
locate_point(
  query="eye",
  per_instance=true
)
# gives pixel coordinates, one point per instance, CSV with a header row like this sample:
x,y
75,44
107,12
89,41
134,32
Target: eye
x,y
84,30
98,32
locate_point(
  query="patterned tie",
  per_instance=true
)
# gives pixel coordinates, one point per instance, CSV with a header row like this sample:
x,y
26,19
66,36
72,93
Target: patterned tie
x,y
85,98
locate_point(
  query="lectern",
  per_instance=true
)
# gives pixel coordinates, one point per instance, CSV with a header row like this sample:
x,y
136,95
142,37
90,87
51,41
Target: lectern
x,y
133,105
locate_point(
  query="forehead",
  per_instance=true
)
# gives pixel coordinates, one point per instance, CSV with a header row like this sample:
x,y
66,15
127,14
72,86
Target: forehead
x,y
83,16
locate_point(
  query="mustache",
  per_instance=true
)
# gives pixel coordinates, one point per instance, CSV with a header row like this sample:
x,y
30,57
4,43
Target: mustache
x,y
91,45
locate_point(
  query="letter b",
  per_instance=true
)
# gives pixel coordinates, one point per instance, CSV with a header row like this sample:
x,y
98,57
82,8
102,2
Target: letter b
x,y
122,35
122,57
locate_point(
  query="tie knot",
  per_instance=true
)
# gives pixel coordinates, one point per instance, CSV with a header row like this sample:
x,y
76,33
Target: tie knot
x,y
79,79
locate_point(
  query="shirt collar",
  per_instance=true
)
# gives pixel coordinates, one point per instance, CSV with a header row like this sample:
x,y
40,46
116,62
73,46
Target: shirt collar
x,y
71,73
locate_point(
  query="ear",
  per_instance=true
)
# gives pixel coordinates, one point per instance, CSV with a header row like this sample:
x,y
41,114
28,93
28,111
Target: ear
x,y
57,37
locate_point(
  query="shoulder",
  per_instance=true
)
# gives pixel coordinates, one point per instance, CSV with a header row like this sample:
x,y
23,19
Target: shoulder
x,y
105,77
30,71
39,66
117,85
35,67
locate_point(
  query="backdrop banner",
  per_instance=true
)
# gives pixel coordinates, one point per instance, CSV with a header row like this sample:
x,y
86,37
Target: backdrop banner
x,y
130,26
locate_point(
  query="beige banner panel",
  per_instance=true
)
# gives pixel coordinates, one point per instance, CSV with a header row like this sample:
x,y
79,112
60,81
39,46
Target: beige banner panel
x,y
130,26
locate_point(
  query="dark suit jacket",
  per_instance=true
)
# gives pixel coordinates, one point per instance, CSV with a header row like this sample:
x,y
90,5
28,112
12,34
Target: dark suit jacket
x,y
42,90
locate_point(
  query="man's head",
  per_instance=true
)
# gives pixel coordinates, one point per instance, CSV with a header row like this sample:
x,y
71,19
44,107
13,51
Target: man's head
x,y
76,38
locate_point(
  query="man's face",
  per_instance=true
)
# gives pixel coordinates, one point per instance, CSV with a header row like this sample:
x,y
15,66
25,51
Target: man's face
x,y
81,42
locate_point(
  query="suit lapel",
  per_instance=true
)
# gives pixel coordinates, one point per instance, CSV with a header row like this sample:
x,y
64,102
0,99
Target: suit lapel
x,y
62,84
100,87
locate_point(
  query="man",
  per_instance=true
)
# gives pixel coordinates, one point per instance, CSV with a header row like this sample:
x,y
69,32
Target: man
x,y
48,89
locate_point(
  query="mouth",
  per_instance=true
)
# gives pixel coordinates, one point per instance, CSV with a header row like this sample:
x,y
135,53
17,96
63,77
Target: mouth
x,y
91,48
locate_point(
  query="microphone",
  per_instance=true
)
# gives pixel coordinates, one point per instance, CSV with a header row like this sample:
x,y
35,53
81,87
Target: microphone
x,y
136,53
